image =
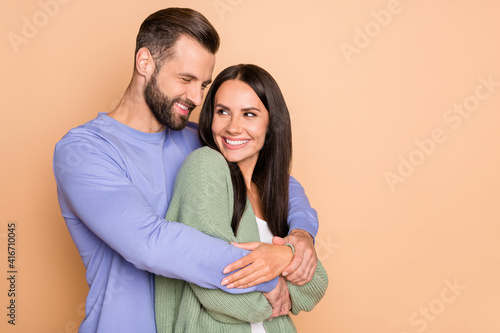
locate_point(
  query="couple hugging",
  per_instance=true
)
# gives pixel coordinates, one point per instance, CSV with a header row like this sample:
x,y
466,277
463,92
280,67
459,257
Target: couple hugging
x,y
185,227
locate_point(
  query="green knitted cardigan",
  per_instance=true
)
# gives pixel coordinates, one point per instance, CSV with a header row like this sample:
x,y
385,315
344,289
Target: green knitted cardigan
x,y
203,199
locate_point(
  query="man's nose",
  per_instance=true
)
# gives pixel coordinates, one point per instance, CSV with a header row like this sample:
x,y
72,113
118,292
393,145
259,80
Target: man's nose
x,y
195,95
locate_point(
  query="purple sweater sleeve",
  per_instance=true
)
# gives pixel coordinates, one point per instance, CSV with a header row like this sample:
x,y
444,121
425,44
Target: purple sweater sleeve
x,y
300,213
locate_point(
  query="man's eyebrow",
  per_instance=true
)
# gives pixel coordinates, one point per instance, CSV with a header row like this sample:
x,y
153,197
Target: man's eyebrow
x,y
191,76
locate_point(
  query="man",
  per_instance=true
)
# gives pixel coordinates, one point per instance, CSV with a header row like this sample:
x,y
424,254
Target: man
x,y
115,176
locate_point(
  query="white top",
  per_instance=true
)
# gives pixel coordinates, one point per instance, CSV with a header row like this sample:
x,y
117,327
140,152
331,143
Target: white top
x,y
265,236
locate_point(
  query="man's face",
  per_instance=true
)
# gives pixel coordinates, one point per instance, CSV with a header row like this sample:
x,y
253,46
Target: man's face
x,y
177,88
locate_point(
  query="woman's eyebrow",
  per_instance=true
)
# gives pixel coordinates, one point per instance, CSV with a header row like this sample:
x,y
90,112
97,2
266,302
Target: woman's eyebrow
x,y
251,108
220,105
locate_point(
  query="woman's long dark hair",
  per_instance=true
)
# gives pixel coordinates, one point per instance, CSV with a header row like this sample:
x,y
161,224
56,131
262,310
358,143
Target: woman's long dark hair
x,y
272,171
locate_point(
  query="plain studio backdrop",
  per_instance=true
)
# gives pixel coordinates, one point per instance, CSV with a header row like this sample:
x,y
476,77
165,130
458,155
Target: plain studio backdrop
x,y
395,115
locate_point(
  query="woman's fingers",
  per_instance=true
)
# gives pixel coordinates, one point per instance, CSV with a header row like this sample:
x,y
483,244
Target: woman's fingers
x,y
247,246
263,264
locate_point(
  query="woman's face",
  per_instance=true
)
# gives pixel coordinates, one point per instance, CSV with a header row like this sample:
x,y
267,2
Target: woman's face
x,y
240,123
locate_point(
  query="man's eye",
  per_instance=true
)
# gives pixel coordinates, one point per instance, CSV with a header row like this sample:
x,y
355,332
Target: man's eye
x,y
186,80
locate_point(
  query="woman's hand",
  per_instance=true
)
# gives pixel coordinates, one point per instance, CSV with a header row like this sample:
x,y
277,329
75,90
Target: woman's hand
x,y
264,263
304,263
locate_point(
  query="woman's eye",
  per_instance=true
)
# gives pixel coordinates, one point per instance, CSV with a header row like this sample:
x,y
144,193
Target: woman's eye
x,y
250,114
222,112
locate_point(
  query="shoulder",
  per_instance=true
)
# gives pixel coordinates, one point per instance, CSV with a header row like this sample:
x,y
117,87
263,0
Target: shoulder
x,y
92,132
78,140
206,165
206,155
87,145
204,177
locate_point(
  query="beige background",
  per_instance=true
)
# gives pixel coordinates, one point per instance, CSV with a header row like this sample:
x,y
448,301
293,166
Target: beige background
x,y
406,185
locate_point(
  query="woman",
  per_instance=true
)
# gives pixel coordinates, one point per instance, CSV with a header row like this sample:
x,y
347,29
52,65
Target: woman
x,y
235,188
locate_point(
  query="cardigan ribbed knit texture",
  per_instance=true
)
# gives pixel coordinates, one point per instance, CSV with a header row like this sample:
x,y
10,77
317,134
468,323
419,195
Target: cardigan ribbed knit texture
x,y
203,199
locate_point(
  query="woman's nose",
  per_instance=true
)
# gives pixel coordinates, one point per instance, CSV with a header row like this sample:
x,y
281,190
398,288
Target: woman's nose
x,y
234,126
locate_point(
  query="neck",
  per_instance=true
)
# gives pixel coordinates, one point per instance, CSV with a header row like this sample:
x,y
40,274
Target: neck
x,y
247,168
133,110
253,194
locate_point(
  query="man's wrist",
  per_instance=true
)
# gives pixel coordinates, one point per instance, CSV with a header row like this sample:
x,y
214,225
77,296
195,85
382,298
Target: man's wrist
x,y
303,233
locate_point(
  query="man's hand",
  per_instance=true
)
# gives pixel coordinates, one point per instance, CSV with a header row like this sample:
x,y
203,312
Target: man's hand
x,y
302,268
279,298
264,263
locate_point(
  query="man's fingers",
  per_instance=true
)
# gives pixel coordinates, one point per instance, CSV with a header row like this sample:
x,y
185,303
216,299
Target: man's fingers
x,y
294,265
301,278
285,308
276,312
278,240
298,270
303,265
279,298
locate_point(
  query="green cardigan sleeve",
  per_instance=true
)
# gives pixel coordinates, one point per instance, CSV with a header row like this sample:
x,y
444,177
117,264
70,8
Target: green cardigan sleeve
x,y
203,199
305,297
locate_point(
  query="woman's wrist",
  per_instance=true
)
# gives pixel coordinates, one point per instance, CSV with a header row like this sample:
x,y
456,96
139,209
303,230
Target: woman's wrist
x,y
291,247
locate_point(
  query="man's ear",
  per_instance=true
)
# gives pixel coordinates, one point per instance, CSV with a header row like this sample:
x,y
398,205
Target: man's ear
x,y
144,62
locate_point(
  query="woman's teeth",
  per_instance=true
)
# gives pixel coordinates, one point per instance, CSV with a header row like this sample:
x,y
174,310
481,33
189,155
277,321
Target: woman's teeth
x,y
236,142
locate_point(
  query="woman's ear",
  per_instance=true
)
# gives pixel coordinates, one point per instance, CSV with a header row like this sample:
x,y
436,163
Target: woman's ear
x,y
144,62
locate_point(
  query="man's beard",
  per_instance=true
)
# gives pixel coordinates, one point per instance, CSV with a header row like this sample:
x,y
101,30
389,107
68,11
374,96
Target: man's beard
x,y
162,106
